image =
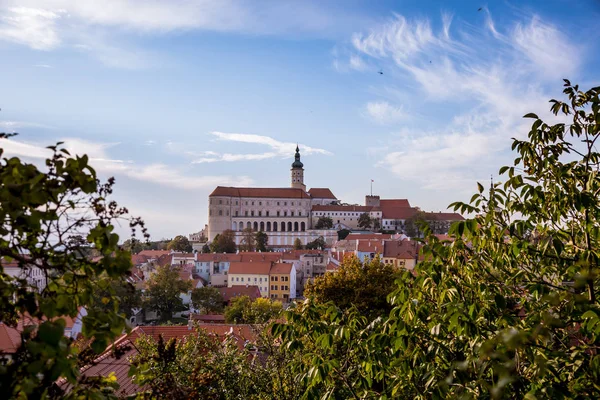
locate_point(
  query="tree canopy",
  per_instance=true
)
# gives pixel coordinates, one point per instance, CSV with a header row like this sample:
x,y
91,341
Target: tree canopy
x,y
262,240
248,241
324,223
224,242
365,221
208,300
50,220
180,243
163,292
242,310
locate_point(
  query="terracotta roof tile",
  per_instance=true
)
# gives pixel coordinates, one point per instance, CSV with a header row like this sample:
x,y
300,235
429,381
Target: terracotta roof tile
x,y
282,268
246,268
239,290
394,203
153,253
318,207
283,193
321,193
370,246
398,212
363,236
405,249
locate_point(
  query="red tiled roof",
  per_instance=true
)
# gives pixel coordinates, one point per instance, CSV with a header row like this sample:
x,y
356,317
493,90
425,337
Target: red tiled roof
x,y
138,259
218,257
394,203
283,193
405,249
331,267
239,290
341,208
445,216
363,236
256,257
282,268
183,255
370,246
398,212
321,193
153,253
254,268
208,317
10,338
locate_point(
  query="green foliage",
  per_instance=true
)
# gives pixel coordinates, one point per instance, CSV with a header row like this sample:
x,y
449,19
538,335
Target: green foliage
x,y
343,234
364,286
415,226
207,300
205,248
242,310
180,243
262,240
120,294
508,310
224,242
324,223
163,292
365,221
50,220
317,244
248,241
298,244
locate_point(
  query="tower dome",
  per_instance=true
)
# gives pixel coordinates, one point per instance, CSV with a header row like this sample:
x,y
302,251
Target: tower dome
x,y
297,163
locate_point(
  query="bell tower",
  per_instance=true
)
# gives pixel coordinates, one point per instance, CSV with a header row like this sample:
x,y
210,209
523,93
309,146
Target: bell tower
x,y
298,172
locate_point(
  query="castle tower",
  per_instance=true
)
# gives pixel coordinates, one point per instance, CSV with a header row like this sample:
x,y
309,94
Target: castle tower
x,y
298,172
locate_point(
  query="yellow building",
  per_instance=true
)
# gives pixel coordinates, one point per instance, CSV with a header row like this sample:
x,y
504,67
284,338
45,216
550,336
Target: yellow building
x,y
251,274
282,282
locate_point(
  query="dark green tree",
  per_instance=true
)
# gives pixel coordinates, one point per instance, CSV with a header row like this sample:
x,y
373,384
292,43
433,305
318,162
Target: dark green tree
x,y
49,220
324,223
298,244
248,241
205,248
318,243
224,242
134,245
365,221
208,300
242,310
163,292
180,243
415,225
262,240
343,234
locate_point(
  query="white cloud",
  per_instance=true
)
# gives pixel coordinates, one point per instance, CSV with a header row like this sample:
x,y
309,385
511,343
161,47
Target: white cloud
x,y
33,27
277,149
11,126
486,92
161,174
384,113
42,65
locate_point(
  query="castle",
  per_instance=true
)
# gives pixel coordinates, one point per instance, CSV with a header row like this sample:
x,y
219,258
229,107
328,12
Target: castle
x,y
287,214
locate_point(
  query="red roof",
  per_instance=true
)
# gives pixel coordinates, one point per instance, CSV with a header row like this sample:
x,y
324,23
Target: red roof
x,y
208,317
246,268
405,249
341,208
445,216
363,236
321,193
282,268
218,257
398,212
370,246
283,193
153,253
138,259
10,338
256,257
229,293
394,203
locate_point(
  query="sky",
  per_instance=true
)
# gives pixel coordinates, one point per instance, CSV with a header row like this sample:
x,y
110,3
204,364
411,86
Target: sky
x,y
175,97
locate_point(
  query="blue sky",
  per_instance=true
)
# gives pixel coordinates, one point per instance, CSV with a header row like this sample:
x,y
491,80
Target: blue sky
x,y
175,97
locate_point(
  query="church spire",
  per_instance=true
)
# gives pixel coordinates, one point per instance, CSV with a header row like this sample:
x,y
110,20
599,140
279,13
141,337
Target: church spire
x,y
298,171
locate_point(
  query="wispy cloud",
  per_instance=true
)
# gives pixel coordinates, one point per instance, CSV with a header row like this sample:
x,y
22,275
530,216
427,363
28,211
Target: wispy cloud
x,y
384,113
11,126
42,65
277,148
158,173
494,89
32,27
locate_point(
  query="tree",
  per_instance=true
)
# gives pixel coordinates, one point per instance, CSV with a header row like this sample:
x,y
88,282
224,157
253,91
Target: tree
x,y
205,248
343,234
163,293
120,294
248,241
364,286
262,240
376,224
208,300
180,243
508,310
298,244
317,244
49,221
414,225
324,223
242,310
134,246
224,242
364,221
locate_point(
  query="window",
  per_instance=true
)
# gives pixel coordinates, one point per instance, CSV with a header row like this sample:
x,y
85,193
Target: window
x,y
252,213
246,203
267,213
272,278
255,279
237,279
285,296
252,203
227,212
236,213
260,213
236,202
242,279
220,212
276,278
220,201
272,287
275,288
292,203
277,203
285,203
260,203
285,213
278,213
292,213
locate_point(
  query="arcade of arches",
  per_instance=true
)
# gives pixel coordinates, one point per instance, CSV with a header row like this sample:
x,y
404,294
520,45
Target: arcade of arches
x,y
270,226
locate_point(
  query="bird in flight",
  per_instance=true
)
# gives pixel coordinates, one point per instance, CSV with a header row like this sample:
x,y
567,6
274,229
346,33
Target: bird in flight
x,y
480,8
380,72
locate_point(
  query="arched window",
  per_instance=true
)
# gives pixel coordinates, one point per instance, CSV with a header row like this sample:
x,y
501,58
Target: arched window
x,y
268,226
274,226
234,226
283,227
262,226
289,227
255,225
248,225
303,227
295,226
